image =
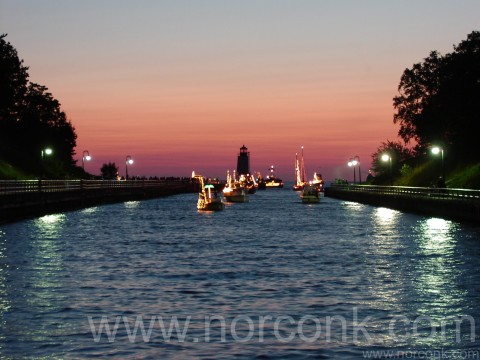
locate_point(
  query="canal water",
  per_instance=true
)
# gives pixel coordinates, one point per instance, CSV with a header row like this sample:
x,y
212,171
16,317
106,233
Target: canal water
x,y
272,278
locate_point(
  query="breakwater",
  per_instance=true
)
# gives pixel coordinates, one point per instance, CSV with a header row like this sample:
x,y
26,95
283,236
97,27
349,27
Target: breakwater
x,y
23,199
454,204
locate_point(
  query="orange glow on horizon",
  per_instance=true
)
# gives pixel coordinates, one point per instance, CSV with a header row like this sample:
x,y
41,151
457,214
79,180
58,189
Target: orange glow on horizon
x,y
173,141
181,88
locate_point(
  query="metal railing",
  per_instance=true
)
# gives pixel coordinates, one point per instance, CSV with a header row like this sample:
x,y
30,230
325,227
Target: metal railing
x,y
35,186
444,193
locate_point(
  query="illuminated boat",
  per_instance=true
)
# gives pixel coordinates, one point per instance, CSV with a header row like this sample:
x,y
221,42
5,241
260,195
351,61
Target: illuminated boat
x,y
310,194
299,173
234,191
260,182
208,198
271,181
248,182
235,194
317,181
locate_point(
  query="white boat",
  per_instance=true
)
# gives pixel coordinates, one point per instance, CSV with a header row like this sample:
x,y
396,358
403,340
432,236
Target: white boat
x,y
208,198
272,181
234,191
310,194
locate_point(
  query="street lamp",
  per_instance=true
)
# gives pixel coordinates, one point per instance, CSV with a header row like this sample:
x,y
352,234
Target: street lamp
x,y
385,158
86,157
46,151
438,150
352,163
357,162
128,161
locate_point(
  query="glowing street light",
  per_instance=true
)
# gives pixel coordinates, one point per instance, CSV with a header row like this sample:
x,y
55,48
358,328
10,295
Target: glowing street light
x,y
385,158
46,151
128,161
438,150
86,157
352,163
355,161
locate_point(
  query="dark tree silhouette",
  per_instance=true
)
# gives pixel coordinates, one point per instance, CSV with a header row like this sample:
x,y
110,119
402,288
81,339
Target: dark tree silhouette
x,y
13,87
31,120
438,100
44,124
109,171
13,81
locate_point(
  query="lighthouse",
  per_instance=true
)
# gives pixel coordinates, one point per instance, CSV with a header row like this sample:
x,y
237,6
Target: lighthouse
x,y
243,161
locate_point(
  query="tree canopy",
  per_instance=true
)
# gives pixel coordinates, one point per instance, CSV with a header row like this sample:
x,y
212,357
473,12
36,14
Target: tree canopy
x,y
31,120
109,171
439,100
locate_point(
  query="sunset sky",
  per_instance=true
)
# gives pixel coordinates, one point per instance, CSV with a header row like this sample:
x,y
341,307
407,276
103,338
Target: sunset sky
x,y
182,85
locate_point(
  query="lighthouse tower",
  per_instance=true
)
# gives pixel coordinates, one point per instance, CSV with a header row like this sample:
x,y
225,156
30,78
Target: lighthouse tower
x,y
243,161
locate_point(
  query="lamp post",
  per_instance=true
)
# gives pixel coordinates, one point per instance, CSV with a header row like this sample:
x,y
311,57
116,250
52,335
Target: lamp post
x,y
86,157
438,150
385,158
46,151
357,162
128,161
352,163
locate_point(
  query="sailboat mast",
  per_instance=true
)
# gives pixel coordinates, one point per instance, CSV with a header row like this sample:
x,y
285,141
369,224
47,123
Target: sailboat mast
x,y
296,169
302,168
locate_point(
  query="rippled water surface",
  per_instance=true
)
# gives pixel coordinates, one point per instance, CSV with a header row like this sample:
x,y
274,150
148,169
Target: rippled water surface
x,y
272,278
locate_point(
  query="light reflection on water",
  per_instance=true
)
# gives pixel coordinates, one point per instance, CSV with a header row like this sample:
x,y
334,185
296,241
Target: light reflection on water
x,y
271,256
438,236
90,210
437,270
386,217
41,272
354,206
386,243
4,298
440,267
131,204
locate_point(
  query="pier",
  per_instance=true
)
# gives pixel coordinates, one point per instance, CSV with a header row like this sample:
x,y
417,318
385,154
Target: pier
x,y
26,198
454,204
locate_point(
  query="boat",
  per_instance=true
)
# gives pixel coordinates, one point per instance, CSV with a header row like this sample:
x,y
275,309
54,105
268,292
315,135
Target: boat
x,y
300,181
310,194
208,197
271,181
317,181
248,182
261,185
234,191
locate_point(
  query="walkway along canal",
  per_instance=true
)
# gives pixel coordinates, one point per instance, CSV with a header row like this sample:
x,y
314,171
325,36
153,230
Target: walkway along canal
x,y
454,204
25,198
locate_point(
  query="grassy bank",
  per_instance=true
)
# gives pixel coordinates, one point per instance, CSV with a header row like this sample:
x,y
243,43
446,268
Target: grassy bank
x,y
460,176
10,172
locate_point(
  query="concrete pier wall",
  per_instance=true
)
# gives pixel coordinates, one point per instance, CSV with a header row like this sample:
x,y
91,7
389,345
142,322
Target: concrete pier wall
x,y
460,205
40,200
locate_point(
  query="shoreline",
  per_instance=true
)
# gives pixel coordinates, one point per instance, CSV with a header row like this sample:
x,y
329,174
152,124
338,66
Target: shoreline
x,y
452,204
23,200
